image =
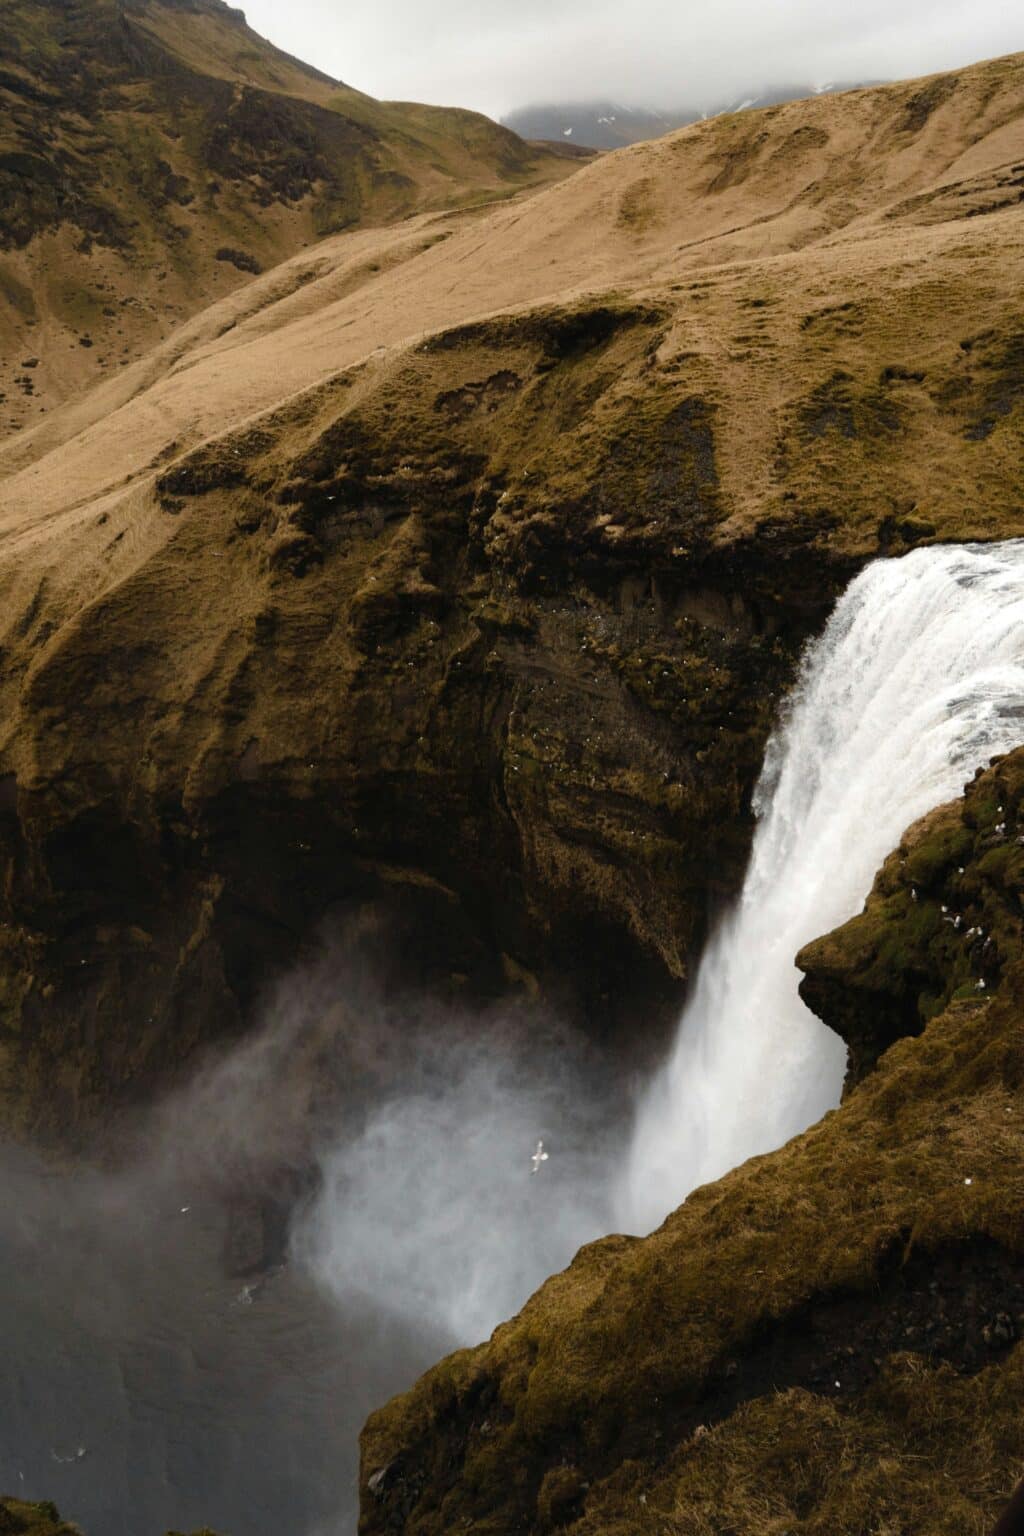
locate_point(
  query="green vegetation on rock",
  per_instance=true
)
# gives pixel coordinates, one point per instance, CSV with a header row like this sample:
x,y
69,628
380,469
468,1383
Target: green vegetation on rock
x,y
18,1518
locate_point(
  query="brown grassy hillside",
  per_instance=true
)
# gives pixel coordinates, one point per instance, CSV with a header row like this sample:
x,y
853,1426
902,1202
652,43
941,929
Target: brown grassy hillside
x,y
155,153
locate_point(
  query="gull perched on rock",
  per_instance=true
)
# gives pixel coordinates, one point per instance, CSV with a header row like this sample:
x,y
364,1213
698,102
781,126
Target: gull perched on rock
x,y
540,1156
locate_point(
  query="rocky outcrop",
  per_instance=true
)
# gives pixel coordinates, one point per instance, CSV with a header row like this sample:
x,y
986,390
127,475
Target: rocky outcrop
x,y
825,1340
945,918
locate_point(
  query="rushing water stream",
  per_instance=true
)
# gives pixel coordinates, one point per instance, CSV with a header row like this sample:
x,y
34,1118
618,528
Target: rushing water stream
x,y
143,1389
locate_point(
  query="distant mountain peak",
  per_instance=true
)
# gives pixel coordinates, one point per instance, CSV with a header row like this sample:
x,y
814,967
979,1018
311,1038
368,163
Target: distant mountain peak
x,y
602,124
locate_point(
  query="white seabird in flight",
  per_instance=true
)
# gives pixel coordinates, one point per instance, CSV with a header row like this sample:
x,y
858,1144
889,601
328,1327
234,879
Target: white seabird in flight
x,y
540,1156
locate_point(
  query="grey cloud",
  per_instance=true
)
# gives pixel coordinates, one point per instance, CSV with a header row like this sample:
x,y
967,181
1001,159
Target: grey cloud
x,y
494,55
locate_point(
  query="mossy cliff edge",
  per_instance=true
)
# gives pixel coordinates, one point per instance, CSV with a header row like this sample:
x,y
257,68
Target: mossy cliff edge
x,y
943,922
825,1341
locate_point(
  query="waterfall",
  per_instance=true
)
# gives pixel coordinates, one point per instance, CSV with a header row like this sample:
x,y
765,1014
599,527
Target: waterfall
x,y
428,1206
917,680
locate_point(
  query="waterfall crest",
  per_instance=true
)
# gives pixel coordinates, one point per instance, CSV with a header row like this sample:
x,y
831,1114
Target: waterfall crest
x,y
917,680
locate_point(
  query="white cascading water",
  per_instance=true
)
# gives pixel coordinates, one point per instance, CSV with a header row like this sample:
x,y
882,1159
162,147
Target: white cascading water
x,y
917,680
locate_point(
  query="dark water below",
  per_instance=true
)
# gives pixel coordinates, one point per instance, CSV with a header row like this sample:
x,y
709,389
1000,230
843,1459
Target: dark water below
x,y
123,1336
398,1132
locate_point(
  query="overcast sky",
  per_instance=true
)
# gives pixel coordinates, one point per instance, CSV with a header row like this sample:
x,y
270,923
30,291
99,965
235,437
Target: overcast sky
x,y
499,54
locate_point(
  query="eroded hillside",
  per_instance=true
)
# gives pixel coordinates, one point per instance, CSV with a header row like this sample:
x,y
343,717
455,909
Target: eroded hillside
x,y
462,564
155,153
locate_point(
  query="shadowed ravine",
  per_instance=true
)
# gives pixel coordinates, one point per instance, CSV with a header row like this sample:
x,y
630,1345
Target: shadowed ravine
x,y
427,1229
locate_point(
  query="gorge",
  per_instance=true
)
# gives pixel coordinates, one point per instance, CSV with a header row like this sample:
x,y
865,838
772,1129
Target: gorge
x,y
425,1229
452,683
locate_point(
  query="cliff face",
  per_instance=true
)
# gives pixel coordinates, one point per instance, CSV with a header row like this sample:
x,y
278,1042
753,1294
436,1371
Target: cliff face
x,y
462,567
395,667
154,153
827,1339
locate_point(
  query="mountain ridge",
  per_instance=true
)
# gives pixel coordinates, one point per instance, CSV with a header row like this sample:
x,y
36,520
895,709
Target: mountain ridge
x,y
154,153
606,124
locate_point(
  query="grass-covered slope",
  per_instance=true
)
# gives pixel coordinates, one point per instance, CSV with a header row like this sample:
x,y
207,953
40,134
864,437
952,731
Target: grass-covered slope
x,y
156,153
825,1341
462,565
